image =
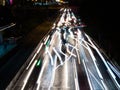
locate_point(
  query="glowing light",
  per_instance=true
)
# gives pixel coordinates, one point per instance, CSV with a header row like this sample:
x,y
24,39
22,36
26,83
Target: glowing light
x,y
11,2
57,0
38,63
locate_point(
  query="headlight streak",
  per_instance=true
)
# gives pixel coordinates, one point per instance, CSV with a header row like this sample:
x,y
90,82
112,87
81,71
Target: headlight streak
x,y
77,52
97,80
109,70
40,74
61,62
28,75
39,48
88,78
34,56
53,75
114,69
69,51
76,76
7,26
98,71
82,40
31,61
94,59
46,39
66,73
50,57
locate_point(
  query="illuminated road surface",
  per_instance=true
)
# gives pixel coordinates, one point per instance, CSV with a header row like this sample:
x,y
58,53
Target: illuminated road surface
x,y
68,59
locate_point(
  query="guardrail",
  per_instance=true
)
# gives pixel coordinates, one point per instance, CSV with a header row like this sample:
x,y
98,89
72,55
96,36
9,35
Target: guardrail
x,y
7,26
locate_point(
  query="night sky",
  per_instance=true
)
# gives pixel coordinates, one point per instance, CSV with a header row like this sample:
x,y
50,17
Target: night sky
x,y
102,19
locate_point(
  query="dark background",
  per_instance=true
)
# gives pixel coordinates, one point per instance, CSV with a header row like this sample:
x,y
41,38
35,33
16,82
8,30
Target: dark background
x,y
102,20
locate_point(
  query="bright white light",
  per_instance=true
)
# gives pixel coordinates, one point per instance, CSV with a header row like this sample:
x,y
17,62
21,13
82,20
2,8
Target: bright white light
x,y
28,75
61,62
66,73
88,78
31,61
53,74
46,39
41,73
39,48
57,0
50,57
94,59
110,71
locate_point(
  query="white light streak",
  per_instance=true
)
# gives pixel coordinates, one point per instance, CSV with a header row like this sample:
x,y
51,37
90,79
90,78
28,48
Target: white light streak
x,y
91,88
66,73
50,57
53,74
46,39
39,48
110,71
40,74
58,56
31,61
96,80
113,68
76,76
28,75
94,61
71,54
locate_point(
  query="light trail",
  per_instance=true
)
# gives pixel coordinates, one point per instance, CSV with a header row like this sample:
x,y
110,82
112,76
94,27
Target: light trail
x,y
46,39
101,57
77,53
86,42
109,70
88,78
31,61
76,75
58,55
94,61
28,75
51,58
97,80
114,69
41,73
70,52
79,43
66,73
53,74
35,55
39,48
7,26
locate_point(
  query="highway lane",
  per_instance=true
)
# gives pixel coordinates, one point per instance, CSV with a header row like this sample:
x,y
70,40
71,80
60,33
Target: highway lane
x,y
68,59
104,80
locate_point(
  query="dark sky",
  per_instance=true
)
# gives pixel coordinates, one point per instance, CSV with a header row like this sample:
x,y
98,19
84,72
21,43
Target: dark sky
x,y
102,19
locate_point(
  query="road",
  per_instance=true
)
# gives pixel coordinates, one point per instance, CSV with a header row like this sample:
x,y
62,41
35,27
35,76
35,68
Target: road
x,y
68,59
